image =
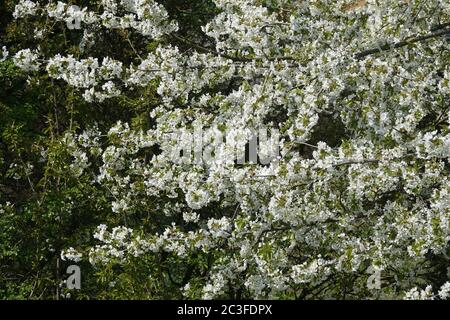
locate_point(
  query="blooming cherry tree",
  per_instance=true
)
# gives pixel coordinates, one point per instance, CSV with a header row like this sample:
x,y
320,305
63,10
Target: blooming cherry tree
x,y
358,93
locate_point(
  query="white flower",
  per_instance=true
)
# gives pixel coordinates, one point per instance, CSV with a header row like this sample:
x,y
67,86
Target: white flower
x,y
256,284
444,292
191,216
71,254
102,233
56,11
119,205
38,34
416,294
80,163
197,199
27,60
219,228
412,294
120,233
24,8
89,95
5,54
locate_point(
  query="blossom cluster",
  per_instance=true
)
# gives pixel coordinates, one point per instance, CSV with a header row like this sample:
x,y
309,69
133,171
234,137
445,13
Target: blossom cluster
x,y
145,16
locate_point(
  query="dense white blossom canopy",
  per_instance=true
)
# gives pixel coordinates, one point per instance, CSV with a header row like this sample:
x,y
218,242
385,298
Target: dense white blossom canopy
x,y
361,184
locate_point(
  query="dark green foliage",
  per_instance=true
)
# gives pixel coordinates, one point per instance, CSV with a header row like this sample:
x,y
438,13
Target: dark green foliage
x,y
50,210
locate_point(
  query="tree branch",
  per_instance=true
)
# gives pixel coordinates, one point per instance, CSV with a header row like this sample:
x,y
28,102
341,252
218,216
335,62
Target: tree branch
x,y
438,31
